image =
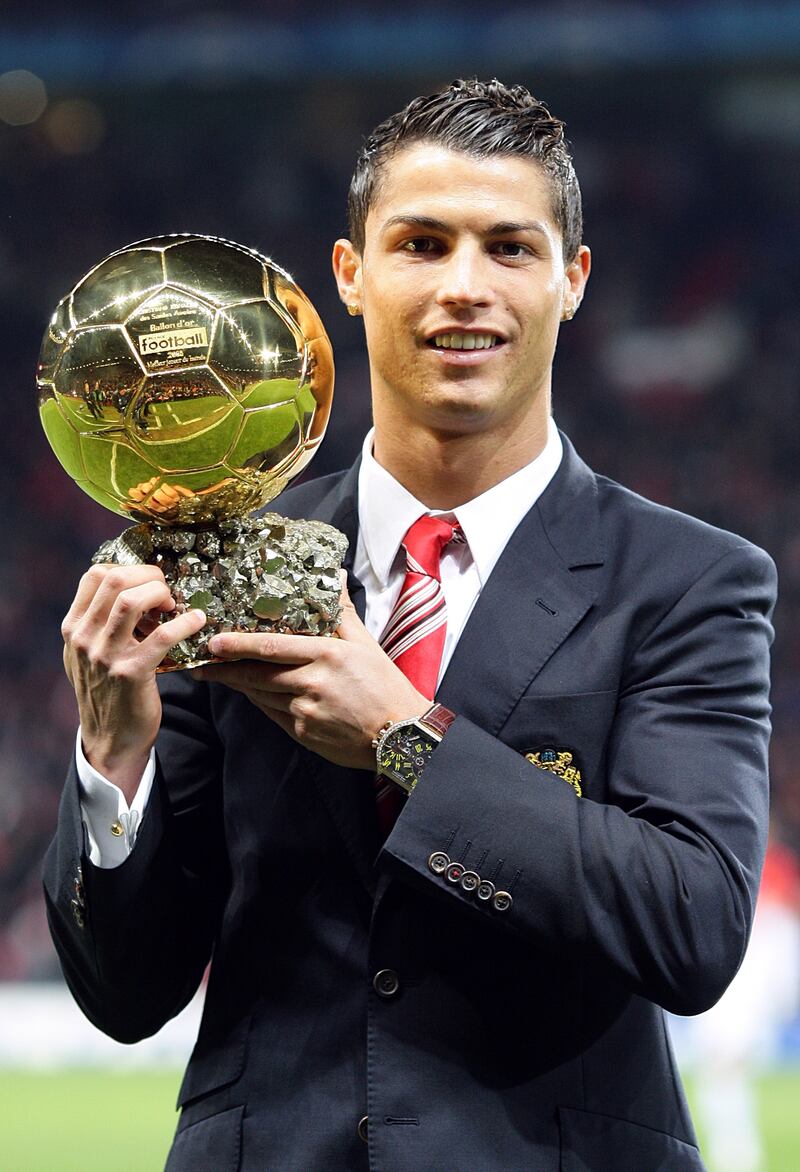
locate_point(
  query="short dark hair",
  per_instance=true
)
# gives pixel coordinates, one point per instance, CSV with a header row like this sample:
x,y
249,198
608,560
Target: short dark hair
x,y
480,118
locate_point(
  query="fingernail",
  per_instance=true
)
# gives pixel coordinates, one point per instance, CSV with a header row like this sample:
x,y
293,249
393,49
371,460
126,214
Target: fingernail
x,y
216,644
201,614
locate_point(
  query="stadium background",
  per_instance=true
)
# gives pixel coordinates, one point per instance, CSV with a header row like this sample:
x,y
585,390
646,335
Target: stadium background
x,y
679,376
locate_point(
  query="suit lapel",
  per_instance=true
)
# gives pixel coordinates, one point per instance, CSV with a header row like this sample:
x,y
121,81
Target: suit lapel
x,y
348,794
339,507
536,595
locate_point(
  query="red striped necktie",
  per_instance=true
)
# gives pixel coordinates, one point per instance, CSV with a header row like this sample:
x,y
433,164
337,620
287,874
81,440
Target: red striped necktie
x,y
415,634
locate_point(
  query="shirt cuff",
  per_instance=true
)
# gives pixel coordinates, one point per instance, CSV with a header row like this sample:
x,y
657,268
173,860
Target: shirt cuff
x,y
111,823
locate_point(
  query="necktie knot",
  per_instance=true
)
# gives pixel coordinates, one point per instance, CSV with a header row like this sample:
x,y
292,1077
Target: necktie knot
x,y
424,543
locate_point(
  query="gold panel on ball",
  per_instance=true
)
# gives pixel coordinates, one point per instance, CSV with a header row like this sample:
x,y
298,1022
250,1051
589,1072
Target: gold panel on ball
x,y
185,380
112,289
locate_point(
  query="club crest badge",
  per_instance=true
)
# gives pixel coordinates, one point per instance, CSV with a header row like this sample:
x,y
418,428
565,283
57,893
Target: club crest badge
x,y
560,762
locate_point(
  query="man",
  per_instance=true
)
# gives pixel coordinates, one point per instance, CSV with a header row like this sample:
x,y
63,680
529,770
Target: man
x,y
471,976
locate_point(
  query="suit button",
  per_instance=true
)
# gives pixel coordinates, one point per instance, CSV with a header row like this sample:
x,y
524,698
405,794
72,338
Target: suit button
x,y
454,872
502,901
386,983
363,1124
470,881
485,890
437,862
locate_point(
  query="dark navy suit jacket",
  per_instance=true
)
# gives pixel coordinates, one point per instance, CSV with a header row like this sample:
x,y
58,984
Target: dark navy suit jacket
x,y
626,634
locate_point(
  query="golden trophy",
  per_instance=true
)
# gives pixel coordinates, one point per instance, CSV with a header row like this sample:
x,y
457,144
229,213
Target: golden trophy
x,y
183,382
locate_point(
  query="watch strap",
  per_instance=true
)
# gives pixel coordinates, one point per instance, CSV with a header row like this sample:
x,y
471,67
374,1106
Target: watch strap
x,y
438,718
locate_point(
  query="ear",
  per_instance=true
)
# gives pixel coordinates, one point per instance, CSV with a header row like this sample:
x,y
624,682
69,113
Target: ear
x,y
347,271
576,275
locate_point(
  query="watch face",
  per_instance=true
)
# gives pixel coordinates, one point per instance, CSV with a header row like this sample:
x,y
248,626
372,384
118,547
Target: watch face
x,y
405,753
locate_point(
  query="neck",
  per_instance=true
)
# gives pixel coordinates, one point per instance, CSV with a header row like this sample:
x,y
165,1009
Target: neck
x,y
444,470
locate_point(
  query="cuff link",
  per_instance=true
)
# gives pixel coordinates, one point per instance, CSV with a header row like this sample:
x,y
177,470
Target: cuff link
x,y
117,829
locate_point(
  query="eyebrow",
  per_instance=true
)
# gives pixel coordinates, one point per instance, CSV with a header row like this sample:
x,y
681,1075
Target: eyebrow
x,y
503,228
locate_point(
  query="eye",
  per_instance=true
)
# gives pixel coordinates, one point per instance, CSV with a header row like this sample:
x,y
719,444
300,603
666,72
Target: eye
x,y
421,244
511,249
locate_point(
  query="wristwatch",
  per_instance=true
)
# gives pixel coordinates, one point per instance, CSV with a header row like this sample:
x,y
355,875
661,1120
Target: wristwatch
x,y
405,747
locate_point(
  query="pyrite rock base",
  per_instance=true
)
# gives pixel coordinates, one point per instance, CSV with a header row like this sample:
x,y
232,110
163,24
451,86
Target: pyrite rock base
x,y
264,573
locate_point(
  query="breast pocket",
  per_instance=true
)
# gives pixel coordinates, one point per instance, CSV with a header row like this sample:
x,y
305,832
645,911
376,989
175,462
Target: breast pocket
x,y
565,734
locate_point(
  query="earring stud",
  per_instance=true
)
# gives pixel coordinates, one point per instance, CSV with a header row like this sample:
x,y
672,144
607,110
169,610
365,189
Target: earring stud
x,y
569,314
354,310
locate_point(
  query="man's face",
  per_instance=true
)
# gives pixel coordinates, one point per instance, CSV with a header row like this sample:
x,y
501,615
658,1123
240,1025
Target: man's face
x,y
462,284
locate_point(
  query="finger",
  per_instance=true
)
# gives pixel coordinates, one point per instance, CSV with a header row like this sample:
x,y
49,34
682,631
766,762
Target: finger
x,y
270,702
130,606
148,623
272,648
85,595
109,582
241,681
153,649
257,675
223,673
67,664
350,626
236,674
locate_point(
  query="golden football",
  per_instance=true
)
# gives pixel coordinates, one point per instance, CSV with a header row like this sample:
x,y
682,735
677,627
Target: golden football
x,y
185,380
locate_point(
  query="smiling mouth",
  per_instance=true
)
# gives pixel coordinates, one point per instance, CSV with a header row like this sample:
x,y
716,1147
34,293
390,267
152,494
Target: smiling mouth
x,y
459,341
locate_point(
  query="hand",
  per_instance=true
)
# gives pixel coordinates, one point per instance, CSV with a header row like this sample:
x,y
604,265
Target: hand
x,y
113,643
331,695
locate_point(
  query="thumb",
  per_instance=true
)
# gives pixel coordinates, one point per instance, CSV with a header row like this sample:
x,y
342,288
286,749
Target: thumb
x,y
350,628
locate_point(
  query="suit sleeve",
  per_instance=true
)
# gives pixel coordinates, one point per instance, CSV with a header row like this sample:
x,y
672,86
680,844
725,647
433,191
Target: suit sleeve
x,y
657,885
134,940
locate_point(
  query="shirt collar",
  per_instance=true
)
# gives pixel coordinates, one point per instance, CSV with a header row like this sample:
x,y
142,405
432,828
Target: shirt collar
x,y
386,510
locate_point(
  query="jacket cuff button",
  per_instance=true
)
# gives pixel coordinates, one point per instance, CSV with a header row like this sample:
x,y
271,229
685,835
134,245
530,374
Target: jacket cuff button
x,y
454,872
485,890
502,901
438,862
470,881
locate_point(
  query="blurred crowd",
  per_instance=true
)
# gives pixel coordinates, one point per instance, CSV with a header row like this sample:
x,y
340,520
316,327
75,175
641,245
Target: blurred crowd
x,y
678,377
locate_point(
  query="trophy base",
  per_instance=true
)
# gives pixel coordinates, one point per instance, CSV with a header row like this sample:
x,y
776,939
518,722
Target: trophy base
x,y
265,573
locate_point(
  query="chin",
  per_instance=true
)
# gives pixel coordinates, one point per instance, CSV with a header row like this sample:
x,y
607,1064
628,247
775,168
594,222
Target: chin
x,y
459,415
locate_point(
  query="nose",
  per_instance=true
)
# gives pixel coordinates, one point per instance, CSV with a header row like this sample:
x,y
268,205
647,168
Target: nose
x,y
465,278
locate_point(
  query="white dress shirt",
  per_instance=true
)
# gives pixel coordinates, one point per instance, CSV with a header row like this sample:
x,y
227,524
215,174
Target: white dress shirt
x,y
386,511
